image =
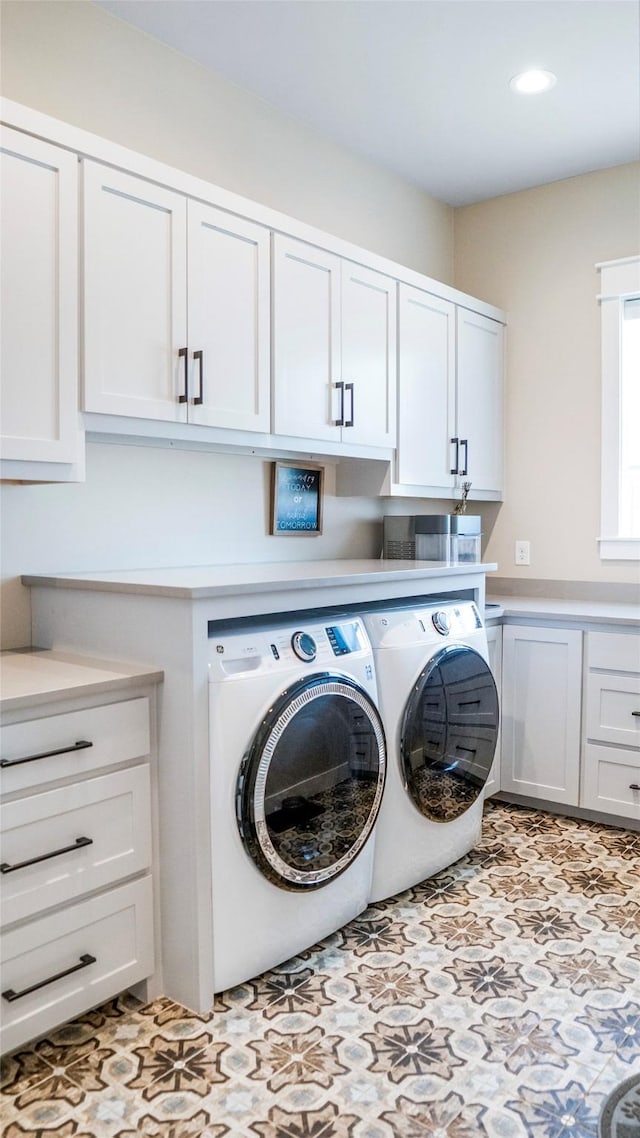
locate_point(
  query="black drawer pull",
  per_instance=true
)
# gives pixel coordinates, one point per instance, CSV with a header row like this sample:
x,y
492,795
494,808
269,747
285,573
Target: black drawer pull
x,y
352,421
199,356
454,468
184,355
340,387
636,713
77,845
634,786
84,962
79,746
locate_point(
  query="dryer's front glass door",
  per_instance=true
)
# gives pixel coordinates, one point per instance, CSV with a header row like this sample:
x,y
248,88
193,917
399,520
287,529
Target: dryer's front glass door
x,y
310,788
449,733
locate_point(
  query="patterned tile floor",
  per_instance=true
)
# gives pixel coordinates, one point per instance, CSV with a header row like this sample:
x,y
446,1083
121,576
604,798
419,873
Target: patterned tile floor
x,y
500,998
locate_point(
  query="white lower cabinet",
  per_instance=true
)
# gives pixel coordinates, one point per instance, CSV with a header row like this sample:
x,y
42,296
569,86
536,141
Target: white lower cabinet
x,y
75,873
494,641
611,755
541,702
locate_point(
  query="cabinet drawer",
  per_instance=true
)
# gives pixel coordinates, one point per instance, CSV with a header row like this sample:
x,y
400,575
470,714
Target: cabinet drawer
x,y
610,774
58,966
613,709
77,838
114,733
614,651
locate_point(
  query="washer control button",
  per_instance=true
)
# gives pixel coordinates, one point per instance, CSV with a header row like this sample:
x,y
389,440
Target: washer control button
x,y
304,646
441,622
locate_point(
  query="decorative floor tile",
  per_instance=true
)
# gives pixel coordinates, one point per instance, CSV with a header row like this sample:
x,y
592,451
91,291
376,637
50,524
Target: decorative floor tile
x,y
498,999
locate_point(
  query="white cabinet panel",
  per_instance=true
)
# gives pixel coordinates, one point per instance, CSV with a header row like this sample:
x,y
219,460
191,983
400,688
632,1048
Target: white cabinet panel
x,y
60,965
73,743
306,340
39,299
611,781
228,320
135,296
541,697
613,709
426,410
480,400
368,302
63,843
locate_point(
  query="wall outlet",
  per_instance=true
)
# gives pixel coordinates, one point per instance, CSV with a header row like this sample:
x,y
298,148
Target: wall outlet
x,y
523,554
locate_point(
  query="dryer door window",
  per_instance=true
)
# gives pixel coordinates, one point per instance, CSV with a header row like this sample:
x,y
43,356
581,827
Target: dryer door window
x,y
309,789
449,733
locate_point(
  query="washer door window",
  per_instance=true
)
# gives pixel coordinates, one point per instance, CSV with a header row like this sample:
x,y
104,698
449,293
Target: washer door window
x,y
310,787
449,733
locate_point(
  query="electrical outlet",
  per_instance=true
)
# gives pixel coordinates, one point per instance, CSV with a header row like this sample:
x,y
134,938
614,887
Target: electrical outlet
x,y
522,553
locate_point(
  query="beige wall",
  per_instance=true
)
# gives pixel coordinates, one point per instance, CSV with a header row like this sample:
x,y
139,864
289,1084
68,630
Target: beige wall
x,y
533,254
78,63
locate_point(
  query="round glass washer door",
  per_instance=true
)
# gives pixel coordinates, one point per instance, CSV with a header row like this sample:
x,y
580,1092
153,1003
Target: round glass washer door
x,y
449,733
310,786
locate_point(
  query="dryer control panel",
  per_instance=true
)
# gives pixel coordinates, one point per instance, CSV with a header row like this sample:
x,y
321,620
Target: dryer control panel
x,y
270,649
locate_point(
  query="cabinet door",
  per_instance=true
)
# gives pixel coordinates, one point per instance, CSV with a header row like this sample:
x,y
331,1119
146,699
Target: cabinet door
x,y
494,642
228,273
426,388
39,297
541,689
480,367
368,308
135,296
306,340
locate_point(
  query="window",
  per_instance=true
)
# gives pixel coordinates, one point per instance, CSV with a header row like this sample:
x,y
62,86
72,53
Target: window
x,y
620,317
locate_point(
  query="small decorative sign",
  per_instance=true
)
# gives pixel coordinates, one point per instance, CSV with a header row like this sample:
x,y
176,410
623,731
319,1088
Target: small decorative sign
x,y
296,499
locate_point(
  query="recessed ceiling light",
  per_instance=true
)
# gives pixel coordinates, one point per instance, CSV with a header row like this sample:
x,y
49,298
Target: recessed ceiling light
x,y
533,82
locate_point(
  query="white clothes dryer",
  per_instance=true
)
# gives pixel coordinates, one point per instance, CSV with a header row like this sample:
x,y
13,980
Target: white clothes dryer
x,y
439,707
298,765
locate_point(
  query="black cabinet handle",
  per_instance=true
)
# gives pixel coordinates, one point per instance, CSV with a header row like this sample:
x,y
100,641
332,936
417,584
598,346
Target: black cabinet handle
x,y
199,357
85,960
184,355
77,845
454,468
79,746
351,422
465,444
634,786
340,422
636,713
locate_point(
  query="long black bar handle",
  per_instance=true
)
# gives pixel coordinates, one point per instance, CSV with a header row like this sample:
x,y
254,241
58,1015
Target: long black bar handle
x,y
465,444
79,746
634,786
85,960
352,421
456,444
184,355
636,713
340,387
199,356
77,845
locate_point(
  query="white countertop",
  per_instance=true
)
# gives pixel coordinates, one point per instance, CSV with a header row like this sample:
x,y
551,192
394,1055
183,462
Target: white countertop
x,y
34,677
558,608
200,581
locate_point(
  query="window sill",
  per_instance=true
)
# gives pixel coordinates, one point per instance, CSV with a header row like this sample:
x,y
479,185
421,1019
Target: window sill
x,y
619,548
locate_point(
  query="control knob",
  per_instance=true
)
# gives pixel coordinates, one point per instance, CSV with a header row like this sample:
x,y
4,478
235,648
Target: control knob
x,y
304,646
441,622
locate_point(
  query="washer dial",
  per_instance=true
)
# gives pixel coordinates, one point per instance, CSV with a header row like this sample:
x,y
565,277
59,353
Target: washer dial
x,y
304,646
441,622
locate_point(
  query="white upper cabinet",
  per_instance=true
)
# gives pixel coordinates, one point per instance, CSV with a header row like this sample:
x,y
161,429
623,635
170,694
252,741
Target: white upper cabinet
x,y
480,367
334,348
135,296
176,306
228,274
427,392
450,395
39,299
306,341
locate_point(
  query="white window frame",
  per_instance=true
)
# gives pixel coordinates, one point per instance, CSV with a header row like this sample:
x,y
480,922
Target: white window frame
x,y
619,280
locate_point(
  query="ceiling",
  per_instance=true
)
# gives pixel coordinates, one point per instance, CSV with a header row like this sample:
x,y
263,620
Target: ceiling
x,y
422,86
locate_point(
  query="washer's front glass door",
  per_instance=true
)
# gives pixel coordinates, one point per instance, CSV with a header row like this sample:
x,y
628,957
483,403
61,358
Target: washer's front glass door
x,y
449,733
310,788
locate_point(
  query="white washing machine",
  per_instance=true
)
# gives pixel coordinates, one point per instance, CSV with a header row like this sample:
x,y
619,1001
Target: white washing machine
x,y
439,707
298,766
